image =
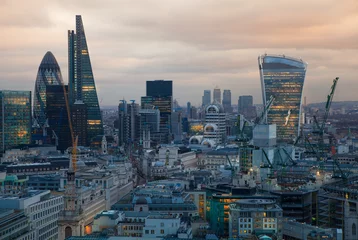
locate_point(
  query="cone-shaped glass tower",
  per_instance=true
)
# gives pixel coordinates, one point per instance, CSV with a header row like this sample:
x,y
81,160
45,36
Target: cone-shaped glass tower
x,y
81,83
49,73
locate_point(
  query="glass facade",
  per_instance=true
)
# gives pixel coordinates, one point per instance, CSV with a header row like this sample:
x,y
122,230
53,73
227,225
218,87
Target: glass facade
x,y
164,105
57,116
15,118
160,88
81,81
49,73
283,77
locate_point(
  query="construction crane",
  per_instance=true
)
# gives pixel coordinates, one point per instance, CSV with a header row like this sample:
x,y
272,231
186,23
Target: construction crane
x,y
73,139
268,165
262,119
325,116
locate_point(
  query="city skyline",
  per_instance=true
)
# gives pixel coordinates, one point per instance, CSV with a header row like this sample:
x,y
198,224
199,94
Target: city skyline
x,y
131,43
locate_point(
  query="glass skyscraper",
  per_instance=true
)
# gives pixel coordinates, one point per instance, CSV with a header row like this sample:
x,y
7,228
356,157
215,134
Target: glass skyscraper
x,y
81,83
15,118
283,77
160,95
49,73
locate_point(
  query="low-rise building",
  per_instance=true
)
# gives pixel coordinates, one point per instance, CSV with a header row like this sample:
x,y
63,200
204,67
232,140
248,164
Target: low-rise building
x,y
255,217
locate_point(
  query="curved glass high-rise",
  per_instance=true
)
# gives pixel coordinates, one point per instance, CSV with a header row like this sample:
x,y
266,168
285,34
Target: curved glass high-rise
x,y
283,77
82,88
49,73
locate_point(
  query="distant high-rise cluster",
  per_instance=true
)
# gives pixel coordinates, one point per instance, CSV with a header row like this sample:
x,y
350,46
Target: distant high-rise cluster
x,y
283,77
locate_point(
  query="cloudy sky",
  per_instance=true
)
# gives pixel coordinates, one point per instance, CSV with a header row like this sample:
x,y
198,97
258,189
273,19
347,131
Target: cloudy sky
x,y
197,43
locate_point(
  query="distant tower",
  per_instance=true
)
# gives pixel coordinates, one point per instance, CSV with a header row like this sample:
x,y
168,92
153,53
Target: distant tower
x,y
188,108
227,101
104,145
206,98
217,95
146,139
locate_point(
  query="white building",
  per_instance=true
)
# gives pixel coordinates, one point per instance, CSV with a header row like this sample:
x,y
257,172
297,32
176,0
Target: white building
x,y
215,124
42,210
161,225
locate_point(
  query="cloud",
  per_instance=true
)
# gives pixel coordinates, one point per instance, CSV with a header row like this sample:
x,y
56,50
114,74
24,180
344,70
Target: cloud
x,y
198,44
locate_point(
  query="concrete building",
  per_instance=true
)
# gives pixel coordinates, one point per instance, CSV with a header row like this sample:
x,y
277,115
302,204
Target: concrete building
x,y
215,125
177,155
338,207
255,217
39,208
299,231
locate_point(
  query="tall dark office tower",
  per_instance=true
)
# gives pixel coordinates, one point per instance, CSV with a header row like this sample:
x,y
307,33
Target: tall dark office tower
x,y
217,95
56,112
160,95
245,107
15,118
227,101
283,77
81,81
206,98
49,73
80,123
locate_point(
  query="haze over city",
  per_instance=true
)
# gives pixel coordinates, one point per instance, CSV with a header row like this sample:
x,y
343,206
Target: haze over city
x,y
197,44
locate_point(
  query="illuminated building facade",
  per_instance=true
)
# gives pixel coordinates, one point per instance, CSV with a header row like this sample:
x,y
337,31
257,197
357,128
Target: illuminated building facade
x,y
49,74
15,118
81,83
283,77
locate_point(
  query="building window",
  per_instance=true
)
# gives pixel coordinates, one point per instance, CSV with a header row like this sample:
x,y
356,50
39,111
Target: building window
x,y
161,231
146,231
151,231
162,224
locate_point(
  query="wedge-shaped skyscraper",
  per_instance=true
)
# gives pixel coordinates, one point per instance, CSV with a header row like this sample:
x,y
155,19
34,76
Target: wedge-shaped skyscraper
x,y
49,74
81,83
283,77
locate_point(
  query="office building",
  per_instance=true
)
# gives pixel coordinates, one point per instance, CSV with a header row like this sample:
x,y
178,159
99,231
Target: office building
x,y
283,77
161,97
246,107
255,217
81,82
80,122
129,122
215,125
15,118
149,119
49,74
206,98
37,211
217,95
227,101
177,131
57,116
